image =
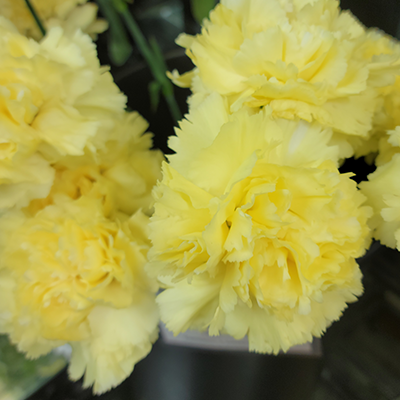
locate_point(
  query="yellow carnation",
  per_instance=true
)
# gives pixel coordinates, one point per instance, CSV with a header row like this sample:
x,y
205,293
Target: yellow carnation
x,y
388,146
305,59
387,124
55,101
122,174
383,55
383,193
386,118
55,95
255,232
70,275
24,179
69,14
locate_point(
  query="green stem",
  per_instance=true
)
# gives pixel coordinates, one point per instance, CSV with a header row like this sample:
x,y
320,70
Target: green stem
x,y
156,68
36,17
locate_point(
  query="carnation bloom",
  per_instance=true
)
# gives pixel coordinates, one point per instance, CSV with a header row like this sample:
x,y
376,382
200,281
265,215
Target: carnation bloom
x,y
122,174
56,101
22,179
386,119
389,145
255,232
54,93
387,125
69,14
383,193
305,59
71,275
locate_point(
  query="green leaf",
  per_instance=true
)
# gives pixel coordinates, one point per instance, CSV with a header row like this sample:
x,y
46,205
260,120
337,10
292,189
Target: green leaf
x,y
201,9
154,91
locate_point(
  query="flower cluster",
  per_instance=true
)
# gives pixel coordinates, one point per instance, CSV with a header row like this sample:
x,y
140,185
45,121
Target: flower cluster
x,y
264,231
250,229
77,173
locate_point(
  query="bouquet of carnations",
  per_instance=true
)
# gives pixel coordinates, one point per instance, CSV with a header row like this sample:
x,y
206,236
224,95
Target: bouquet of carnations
x,y
249,228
